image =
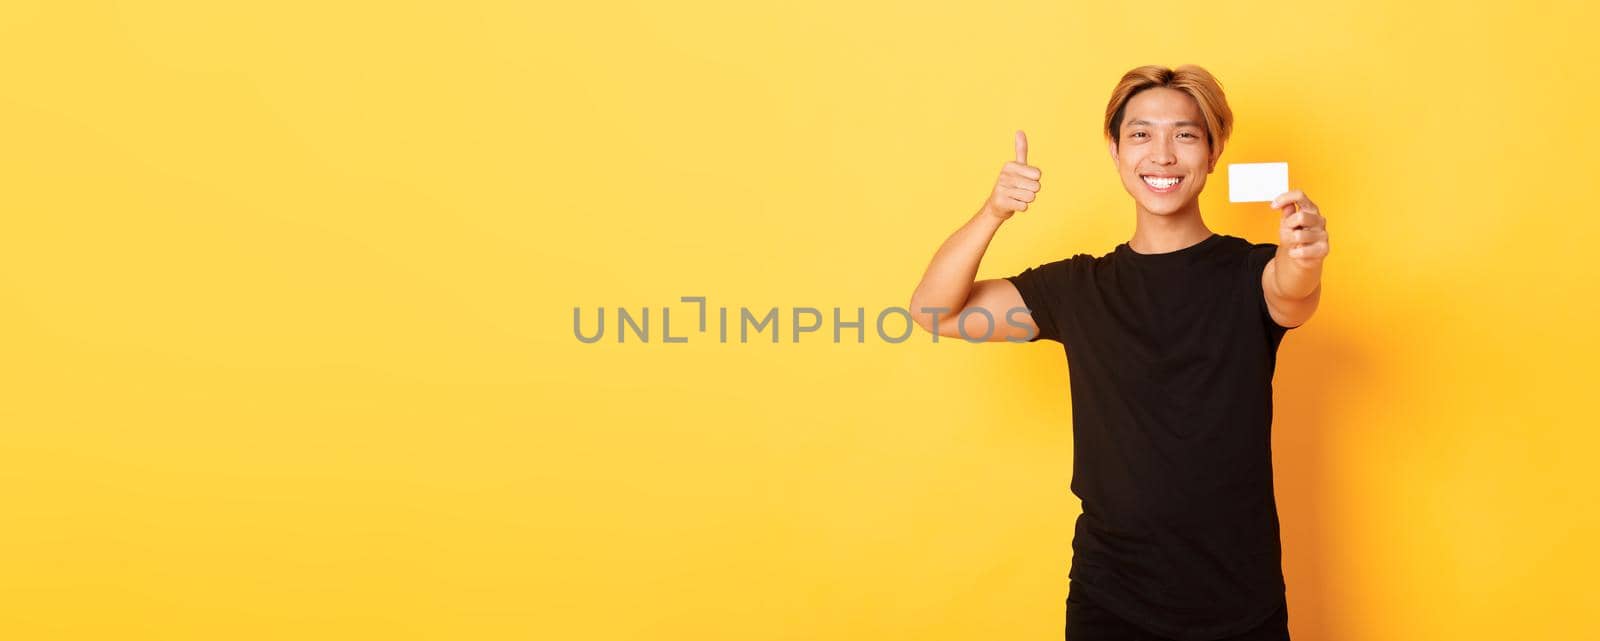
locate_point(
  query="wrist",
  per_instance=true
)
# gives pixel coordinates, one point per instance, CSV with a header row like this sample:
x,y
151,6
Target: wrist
x,y
989,213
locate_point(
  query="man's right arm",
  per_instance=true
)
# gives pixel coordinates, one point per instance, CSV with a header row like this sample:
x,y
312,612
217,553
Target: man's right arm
x,y
947,288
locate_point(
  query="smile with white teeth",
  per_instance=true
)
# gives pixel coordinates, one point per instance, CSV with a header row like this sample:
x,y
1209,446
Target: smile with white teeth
x,y
1161,183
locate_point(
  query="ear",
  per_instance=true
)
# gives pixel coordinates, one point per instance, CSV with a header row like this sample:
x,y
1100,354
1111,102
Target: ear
x,y
1213,166
1112,148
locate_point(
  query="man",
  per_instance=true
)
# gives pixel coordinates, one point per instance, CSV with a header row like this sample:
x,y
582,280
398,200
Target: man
x,y
1171,340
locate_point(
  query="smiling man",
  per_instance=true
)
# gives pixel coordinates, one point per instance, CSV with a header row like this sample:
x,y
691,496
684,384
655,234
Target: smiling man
x,y
1171,340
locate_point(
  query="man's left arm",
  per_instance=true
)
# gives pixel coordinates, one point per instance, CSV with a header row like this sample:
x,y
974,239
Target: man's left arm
x,y
1292,280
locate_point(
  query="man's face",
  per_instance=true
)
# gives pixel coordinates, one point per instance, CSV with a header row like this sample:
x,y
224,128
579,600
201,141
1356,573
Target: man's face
x,y
1163,138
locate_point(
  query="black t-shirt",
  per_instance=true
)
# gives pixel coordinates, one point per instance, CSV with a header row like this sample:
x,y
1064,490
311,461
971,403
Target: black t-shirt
x,y
1170,359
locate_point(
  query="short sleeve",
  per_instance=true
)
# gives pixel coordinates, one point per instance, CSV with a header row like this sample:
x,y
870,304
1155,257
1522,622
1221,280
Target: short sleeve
x,y
1045,290
1260,255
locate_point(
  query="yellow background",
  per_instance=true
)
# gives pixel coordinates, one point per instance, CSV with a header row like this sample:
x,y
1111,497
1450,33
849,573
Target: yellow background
x,y
288,288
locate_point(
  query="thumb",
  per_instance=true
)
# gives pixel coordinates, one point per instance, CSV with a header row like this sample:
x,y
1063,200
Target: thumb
x,y
1022,147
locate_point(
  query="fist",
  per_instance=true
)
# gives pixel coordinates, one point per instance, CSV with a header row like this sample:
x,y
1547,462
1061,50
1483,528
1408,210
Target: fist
x,y
1303,230
1017,186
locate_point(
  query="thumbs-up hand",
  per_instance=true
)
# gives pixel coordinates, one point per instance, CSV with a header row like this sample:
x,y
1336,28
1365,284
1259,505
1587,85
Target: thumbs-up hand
x,y
1017,186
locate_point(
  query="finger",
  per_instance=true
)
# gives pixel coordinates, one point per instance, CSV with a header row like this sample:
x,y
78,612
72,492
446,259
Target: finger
x,y
1020,169
1285,197
1303,210
1022,147
1020,183
1304,219
1306,236
1295,220
1294,196
1314,250
1021,194
1297,213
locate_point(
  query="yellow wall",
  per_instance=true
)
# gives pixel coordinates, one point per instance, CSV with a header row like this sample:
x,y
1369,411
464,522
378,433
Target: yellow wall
x,y
288,291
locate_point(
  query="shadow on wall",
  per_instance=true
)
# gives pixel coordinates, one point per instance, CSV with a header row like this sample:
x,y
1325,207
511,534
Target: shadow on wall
x,y
1315,362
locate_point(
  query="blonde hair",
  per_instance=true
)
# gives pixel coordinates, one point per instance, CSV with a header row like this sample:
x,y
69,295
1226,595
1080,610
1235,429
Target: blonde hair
x,y
1190,79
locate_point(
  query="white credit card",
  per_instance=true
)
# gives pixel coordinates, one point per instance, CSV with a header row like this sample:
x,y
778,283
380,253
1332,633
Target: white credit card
x,y
1257,181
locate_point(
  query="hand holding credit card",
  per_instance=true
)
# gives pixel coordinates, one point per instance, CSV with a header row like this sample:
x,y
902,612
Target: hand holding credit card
x,y
1303,230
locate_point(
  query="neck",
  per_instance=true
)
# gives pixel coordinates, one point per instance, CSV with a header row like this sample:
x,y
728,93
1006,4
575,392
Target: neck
x,y
1157,234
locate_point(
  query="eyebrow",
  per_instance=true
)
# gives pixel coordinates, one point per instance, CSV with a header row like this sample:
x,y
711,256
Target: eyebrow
x,y
1180,123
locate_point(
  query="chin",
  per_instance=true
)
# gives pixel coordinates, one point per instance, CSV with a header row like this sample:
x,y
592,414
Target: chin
x,y
1162,207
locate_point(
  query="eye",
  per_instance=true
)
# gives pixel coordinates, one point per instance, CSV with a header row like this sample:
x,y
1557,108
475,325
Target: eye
x,y
1136,134
1189,134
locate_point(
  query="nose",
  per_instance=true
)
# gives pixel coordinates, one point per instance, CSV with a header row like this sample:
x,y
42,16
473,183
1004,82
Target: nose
x,y
1161,153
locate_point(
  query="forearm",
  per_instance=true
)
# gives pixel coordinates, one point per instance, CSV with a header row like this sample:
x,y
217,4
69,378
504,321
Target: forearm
x,y
948,279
